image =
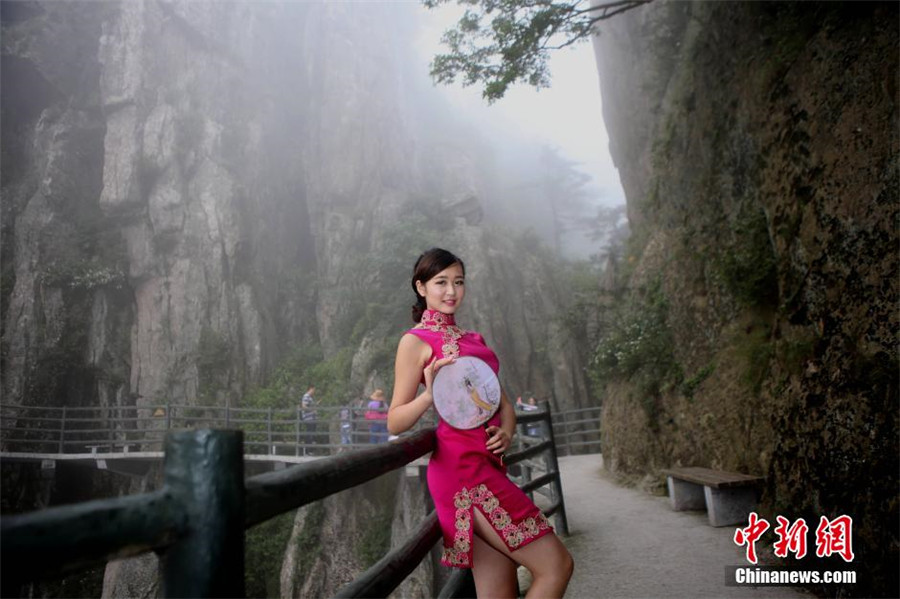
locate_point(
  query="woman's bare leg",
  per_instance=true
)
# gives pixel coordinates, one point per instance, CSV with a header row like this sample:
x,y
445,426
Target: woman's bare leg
x,y
494,573
549,561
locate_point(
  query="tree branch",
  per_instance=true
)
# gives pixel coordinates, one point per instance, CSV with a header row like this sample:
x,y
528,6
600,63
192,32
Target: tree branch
x,y
514,48
626,4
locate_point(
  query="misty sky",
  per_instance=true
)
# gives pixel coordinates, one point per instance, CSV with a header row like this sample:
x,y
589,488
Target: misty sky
x,y
567,116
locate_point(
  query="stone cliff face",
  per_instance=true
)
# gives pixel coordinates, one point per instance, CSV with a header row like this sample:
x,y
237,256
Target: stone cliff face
x,y
757,147
190,192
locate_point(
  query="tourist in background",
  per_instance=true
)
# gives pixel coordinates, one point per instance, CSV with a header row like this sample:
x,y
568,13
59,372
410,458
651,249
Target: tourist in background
x,y
308,417
346,423
376,414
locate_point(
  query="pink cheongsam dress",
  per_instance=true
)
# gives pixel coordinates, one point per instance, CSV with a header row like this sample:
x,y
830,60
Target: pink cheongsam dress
x,y
462,474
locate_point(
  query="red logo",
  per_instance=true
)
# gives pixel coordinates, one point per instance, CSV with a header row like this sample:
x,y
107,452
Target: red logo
x,y
834,536
790,540
748,536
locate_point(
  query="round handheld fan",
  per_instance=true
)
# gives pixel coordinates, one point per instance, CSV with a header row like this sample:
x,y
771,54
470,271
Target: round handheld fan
x,y
466,393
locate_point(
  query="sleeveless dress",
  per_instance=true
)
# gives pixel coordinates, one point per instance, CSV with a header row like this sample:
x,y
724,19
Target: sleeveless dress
x,y
462,474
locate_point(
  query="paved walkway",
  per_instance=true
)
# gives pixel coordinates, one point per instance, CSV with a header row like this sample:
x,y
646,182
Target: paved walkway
x,y
627,543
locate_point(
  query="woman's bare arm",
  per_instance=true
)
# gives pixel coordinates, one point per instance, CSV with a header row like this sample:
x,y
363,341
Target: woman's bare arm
x,y
406,408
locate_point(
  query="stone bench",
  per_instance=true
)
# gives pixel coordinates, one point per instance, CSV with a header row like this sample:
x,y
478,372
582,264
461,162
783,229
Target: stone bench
x,y
727,497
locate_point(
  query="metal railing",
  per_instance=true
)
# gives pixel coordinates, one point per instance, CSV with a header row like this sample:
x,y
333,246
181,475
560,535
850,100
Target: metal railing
x,y
272,431
196,522
577,431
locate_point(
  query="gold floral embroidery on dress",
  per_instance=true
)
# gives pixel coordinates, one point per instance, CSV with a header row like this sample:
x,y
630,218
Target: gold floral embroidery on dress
x,y
438,322
514,534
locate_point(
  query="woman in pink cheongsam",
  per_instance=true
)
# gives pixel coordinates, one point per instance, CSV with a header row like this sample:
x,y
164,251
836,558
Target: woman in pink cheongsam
x,y
488,523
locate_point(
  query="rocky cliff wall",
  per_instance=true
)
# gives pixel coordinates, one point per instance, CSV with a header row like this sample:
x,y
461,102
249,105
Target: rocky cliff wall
x,y
757,144
194,192
190,193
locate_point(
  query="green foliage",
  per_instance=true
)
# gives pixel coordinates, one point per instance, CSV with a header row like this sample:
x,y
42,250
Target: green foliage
x,y
402,243
755,349
376,539
264,550
638,348
376,278
794,353
371,310
309,545
790,32
266,545
747,262
689,386
529,242
581,281
305,366
213,359
81,275
331,377
82,251
500,42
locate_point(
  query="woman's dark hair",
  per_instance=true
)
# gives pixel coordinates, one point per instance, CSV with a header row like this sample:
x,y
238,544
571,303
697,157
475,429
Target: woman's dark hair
x,y
427,267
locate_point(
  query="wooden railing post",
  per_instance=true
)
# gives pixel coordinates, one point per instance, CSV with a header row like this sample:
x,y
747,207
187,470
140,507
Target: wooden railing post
x,y
204,472
562,525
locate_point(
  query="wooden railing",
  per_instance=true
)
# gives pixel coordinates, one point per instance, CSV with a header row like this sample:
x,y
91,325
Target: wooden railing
x,y
196,522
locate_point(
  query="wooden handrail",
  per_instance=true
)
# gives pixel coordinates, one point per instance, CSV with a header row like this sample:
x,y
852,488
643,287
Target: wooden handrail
x,y
388,572
196,521
192,517
65,539
276,492
540,481
524,454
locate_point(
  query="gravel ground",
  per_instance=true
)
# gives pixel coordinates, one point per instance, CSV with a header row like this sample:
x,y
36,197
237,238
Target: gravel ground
x,y
627,543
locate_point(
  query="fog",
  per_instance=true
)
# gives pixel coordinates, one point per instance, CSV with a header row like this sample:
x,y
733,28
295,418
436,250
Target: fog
x,y
565,118
567,115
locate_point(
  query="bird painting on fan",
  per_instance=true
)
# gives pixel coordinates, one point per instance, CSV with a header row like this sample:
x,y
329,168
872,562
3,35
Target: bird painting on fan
x,y
476,398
